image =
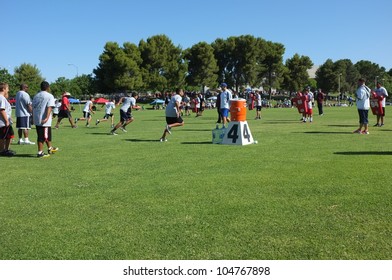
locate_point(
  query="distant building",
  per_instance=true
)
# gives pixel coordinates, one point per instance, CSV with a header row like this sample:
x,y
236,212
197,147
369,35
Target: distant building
x,y
312,71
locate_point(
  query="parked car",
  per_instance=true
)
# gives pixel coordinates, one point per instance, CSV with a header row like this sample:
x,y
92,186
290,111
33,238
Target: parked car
x,y
12,101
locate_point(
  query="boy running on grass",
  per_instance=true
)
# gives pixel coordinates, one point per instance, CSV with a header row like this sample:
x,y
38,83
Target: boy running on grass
x,y
173,113
126,117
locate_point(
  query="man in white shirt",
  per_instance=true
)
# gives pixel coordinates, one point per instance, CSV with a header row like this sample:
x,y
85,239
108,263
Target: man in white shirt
x,y
6,131
23,111
382,92
363,105
226,96
43,103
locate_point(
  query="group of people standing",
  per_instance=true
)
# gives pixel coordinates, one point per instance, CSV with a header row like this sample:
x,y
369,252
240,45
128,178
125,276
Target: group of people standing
x,y
37,111
363,95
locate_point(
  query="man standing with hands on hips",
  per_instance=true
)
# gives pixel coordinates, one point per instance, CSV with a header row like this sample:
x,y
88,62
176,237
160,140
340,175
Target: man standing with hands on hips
x,y
43,103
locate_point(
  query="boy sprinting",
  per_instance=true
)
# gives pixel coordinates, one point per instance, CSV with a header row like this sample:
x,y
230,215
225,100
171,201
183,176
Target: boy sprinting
x,y
173,114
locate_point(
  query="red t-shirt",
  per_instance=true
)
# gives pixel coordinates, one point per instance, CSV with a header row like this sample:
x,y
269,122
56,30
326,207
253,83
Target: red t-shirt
x,y
64,103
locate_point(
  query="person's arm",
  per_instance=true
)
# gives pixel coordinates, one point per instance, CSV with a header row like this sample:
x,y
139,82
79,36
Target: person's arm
x,y
91,108
119,102
48,115
4,115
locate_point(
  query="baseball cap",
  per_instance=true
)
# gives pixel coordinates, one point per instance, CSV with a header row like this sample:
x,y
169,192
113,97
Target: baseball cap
x,y
223,85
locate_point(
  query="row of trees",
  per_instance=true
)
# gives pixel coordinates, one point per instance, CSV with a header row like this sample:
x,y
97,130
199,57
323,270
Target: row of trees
x,y
157,65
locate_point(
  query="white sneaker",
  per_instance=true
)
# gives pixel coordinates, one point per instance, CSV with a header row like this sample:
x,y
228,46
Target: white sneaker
x,y
21,142
28,142
163,140
123,129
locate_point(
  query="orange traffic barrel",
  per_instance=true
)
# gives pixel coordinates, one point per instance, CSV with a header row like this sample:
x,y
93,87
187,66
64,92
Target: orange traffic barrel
x,y
238,109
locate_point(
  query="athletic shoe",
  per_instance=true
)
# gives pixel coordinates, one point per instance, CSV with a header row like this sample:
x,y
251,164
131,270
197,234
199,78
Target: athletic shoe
x,y
123,129
75,126
97,122
168,128
42,155
76,120
53,150
163,140
28,142
382,124
365,132
357,131
21,142
113,133
7,153
376,124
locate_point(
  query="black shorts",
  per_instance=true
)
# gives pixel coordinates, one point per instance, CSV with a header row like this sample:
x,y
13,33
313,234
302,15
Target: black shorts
x,y
258,108
44,133
107,116
23,122
125,116
171,120
6,132
86,115
65,114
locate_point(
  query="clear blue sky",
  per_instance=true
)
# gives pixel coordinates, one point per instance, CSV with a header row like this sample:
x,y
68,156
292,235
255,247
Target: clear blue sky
x,y
54,33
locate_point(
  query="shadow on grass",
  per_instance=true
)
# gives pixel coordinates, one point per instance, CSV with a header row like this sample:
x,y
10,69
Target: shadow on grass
x,y
364,153
342,125
197,143
326,132
99,133
185,129
142,140
25,156
282,121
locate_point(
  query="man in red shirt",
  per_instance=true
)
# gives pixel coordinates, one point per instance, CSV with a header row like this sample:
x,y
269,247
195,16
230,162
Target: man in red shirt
x,y
65,110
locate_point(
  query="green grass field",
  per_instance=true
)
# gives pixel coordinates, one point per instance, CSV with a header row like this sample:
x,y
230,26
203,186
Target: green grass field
x,y
304,192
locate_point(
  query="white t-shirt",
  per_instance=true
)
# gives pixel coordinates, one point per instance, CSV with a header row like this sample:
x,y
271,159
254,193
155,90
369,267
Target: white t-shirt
x,y
87,106
171,109
382,92
310,100
23,101
258,99
128,102
109,106
362,95
41,103
6,106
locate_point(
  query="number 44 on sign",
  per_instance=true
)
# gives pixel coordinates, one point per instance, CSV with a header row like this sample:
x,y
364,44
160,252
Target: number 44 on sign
x,y
238,133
